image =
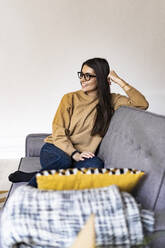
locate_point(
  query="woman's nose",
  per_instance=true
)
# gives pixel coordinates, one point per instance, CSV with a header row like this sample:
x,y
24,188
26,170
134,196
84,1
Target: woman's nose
x,y
83,79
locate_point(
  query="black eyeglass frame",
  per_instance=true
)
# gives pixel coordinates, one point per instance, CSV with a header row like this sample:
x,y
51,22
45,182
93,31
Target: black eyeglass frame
x,y
87,76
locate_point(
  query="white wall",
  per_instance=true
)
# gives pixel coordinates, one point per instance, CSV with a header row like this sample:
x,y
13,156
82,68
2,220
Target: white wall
x,y
44,42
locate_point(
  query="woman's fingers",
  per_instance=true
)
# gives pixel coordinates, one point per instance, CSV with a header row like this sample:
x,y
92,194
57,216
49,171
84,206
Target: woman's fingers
x,y
112,76
82,156
82,159
87,155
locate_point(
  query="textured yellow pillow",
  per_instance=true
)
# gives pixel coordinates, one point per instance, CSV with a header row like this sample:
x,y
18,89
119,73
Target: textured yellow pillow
x,y
126,179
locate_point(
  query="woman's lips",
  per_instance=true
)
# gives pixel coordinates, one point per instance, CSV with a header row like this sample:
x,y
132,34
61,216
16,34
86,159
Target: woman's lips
x,y
84,85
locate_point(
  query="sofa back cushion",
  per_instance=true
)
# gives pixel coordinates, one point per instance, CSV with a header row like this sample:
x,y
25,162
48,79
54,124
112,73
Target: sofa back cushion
x,y
136,139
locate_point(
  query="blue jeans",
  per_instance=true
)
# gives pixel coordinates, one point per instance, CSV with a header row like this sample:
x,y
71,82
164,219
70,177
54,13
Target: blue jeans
x,y
52,157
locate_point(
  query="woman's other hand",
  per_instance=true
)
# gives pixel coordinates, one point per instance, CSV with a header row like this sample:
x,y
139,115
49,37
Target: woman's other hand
x,y
81,156
113,77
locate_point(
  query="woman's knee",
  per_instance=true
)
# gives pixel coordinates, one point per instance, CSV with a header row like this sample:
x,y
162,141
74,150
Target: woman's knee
x,y
51,155
100,163
96,162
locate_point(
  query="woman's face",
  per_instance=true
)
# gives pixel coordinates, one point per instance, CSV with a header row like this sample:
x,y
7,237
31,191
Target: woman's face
x,y
89,86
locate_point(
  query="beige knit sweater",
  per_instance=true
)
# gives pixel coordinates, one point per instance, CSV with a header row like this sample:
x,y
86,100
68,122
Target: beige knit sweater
x,y
74,119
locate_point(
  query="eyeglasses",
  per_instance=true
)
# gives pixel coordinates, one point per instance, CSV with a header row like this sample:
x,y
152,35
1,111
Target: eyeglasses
x,y
87,76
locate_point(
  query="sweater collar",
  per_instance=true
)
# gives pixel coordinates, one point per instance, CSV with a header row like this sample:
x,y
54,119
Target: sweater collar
x,y
88,97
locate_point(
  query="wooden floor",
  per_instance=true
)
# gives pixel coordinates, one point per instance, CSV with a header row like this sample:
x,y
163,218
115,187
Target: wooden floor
x,y
3,195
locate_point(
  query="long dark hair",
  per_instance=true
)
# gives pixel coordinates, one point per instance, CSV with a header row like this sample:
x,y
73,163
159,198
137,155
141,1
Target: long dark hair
x,y
104,106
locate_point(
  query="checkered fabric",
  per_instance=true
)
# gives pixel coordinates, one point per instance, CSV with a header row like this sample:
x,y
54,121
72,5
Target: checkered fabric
x,y
35,218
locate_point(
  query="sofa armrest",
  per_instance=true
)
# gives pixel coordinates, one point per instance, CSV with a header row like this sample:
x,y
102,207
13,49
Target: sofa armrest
x,y
33,144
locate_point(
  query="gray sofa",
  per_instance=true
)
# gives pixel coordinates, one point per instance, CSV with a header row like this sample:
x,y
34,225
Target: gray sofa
x,y
135,139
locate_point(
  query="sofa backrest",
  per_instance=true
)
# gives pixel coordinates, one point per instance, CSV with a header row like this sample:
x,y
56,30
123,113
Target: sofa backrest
x,y
136,139
33,144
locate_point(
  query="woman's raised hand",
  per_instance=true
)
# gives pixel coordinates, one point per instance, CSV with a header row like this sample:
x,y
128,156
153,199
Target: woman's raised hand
x,y
113,77
81,156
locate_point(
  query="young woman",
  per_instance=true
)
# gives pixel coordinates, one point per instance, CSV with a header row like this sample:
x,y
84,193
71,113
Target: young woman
x,y
83,117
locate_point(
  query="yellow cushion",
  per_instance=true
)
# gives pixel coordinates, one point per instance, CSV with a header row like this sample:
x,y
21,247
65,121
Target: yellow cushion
x,y
125,179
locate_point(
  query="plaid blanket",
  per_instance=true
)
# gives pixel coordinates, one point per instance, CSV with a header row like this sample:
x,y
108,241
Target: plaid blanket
x,y
43,219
